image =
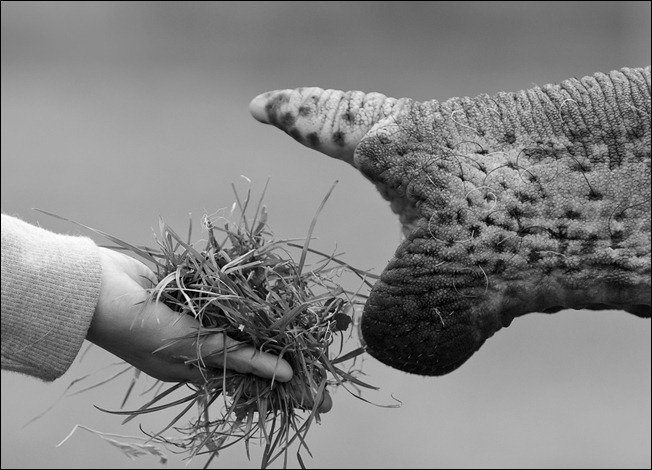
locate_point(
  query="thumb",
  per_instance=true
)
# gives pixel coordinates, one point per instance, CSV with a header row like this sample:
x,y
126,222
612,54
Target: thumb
x,y
330,121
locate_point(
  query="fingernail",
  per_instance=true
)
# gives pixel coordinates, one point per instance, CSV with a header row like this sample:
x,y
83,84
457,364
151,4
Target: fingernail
x,y
283,371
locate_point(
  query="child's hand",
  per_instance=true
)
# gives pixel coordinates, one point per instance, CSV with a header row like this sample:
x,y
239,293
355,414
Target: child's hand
x,y
133,330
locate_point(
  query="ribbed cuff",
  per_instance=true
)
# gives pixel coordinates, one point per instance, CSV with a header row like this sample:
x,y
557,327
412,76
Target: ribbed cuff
x,y
50,287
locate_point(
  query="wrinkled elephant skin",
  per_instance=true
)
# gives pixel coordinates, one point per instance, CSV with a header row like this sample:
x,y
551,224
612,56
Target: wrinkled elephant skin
x,y
534,201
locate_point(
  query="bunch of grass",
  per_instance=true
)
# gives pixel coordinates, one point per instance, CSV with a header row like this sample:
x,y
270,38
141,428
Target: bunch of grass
x,y
247,285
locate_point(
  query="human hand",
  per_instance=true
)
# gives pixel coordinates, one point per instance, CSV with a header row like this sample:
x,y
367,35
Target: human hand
x,y
127,325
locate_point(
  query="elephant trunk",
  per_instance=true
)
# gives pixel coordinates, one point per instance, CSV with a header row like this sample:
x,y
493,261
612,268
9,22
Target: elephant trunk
x,y
537,200
600,117
330,121
531,201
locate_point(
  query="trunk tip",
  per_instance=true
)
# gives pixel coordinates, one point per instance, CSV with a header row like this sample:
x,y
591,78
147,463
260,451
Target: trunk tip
x,y
257,108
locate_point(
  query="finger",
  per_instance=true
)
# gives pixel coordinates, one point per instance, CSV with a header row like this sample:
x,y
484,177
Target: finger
x,y
180,372
140,273
326,403
239,357
135,269
330,121
186,373
244,359
308,403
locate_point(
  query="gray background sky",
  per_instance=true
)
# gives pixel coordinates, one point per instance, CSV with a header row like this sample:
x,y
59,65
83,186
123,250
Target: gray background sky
x,y
115,113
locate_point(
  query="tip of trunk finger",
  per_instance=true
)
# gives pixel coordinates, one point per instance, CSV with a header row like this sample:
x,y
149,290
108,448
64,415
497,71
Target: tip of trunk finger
x,y
257,108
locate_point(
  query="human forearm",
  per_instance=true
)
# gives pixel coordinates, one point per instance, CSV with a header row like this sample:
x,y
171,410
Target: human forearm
x,y
50,286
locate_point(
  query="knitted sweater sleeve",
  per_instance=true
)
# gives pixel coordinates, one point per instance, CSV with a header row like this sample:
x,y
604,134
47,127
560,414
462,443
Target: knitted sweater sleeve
x,y
50,287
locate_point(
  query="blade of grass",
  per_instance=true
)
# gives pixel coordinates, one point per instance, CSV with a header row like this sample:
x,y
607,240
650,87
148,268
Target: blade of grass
x,y
131,387
356,352
151,409
143,254
302,260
